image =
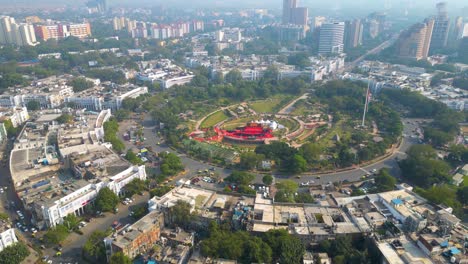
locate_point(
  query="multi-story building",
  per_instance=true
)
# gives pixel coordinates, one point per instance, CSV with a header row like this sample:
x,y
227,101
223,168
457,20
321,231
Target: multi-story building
x,y
59,31
331,38
3,132
99,98
16,34
291,32
373,27
35,165
441,28
137,238
353,33
17,115
292,14
415,42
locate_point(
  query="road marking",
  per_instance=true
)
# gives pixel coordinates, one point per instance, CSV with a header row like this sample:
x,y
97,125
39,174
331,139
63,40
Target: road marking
x,y
366,171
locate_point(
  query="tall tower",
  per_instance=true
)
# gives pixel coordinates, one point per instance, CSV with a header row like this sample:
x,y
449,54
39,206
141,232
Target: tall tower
x,y
331,38
441,28
288,6
353,33
415,42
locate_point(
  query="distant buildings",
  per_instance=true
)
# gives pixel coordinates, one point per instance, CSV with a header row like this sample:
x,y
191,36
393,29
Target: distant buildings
x,y
97,6
166,74
331,38
291,32
59,30
16,34
141,29
441,28
414,43
292,14
353,33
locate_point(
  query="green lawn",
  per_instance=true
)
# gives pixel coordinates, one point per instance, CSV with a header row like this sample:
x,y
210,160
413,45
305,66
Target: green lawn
x,y
214,119
270,105
465,181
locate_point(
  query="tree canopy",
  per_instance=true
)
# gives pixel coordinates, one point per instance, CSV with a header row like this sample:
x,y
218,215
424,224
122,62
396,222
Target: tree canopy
x,y
15,253
106,200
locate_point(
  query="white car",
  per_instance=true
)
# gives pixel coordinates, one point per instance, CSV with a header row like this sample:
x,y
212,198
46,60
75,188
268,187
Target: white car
x,y
33,230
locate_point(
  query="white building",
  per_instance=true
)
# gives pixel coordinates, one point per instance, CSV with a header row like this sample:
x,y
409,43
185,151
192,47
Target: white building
x,y
7,237
331,38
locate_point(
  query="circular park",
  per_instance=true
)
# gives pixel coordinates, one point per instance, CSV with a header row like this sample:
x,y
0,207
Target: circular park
x,y
327,129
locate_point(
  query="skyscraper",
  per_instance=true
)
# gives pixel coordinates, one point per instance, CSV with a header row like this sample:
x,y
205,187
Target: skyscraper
x,y
288,6
353,33
331,38
415,42
441,28
292,14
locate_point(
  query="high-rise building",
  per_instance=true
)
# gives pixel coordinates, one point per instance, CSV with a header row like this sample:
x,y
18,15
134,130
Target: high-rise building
x,y
373,27
292,14
415,42
16,34
331,38
441,28
288,6
353,33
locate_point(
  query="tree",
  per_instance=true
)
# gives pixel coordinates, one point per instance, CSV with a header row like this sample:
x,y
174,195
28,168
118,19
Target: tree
x,y
10,129
171,164
310,151
106,200
233,76
56,234
423,168
15,253
133,158
462,195
64,119
384,181
94,247
180,214
267,179
71,221
286,191
298,164
285,247
136,186
33,105
80,84
250,160
240,177
120,258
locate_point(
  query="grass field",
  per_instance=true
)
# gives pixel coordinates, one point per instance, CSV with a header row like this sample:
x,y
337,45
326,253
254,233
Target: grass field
x,y
465,181
237,123
291,124
270,105
214,119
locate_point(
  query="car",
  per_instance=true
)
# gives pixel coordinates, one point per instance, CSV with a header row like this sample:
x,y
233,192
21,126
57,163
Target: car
x,y
33,230
59,248
124,202
83,223
374,170
45,258
298,176
317,177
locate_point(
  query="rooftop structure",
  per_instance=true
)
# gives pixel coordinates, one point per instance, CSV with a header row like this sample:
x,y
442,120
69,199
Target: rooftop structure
x,y
57,179
166,74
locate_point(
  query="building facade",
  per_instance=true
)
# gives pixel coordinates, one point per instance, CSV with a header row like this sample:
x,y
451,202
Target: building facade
x,y
331,38
16,34
353,33
441,28
415,42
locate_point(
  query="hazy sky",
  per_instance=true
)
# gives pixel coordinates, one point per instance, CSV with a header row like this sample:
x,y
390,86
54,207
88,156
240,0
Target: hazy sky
x,y
271,4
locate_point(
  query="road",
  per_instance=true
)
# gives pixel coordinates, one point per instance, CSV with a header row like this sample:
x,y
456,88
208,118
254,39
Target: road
x,y
72,247
409,125
375,50
193,166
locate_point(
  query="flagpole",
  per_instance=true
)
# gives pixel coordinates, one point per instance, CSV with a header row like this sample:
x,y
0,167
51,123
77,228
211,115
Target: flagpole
x,y
366,104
